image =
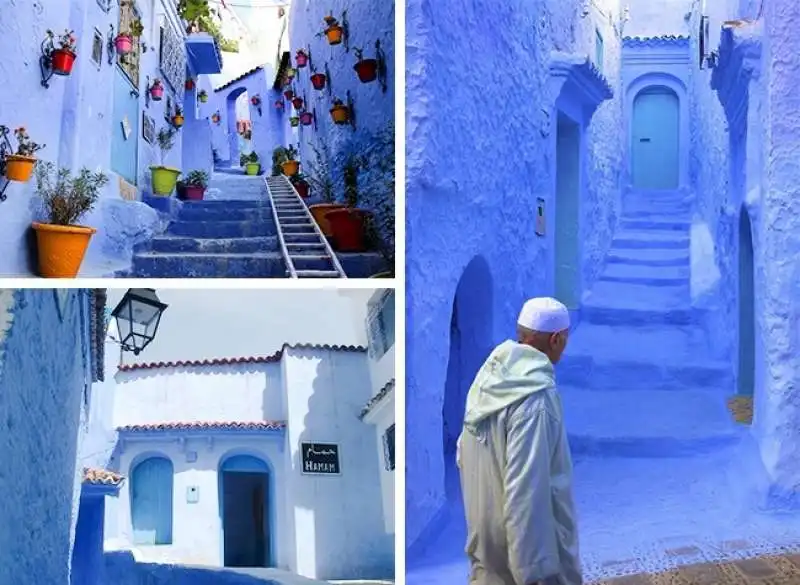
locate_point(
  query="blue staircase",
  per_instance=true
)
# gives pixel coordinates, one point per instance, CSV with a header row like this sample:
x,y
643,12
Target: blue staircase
x,y
636,379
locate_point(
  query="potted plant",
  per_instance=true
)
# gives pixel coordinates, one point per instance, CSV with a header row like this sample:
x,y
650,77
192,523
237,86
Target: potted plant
x,y
340,112
300,184
189,84
195,185
334,31
366,69
348,223
177,117
297,102
279,105
164,177
294,121
202,96
62,58
278,158
215,117
301,58
291,73
61,242
124,40
323,186
253,167
256,102
306,118
291,166
288,94
318,81
157,90
19,166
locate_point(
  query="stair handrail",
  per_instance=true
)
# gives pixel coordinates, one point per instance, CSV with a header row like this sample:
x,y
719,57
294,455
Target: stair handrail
x,y
279,230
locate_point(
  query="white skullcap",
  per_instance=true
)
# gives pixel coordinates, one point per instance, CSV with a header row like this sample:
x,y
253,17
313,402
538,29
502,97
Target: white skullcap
x,y
544,314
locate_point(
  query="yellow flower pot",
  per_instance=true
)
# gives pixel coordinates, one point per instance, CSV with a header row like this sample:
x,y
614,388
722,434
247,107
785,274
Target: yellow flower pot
x,y
334,34
178,121
19,168
340,114
164,179
252,168
61,248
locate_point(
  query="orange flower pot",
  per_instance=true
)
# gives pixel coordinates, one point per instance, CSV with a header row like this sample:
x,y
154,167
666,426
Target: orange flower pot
x,y
290,168
334,34
340,114
319,213
178,121
61,248
348,229
19,168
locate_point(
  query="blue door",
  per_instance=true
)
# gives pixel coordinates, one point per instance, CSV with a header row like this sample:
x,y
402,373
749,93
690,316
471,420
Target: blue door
x,y
747,321
151,501
125,129
245,512
655,136
567,229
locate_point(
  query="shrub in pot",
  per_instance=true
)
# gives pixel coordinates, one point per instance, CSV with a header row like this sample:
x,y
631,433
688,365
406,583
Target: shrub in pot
x,y
348,224
253,166
61,242
300,185
278,158
19,166
196,183
62,57
291,166
321,183
164,178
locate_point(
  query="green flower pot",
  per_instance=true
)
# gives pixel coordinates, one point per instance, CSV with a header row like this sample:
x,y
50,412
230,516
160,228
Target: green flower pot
x,y
253,168
164,180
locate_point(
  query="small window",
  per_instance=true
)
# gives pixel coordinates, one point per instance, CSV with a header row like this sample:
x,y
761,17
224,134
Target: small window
x,y
388,448
97,48
380,326
599,51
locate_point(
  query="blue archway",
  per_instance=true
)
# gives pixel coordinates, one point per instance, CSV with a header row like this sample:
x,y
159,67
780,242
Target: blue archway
x,y
234,140
151,501
246,504
655,139
747,324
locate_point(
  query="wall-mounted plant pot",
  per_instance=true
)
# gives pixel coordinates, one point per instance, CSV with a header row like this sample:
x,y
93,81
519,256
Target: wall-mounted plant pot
x,y
203,99
123,44
288,94
157,92
319,213
61,248
290,168
291,73
306,118
190,84
62,61
318,80
178,121
340,114
367,70
302,188
294,121
215,119
19,168
297,103
253,168
334,34
279,105
301,59
194,193
164,180
348,227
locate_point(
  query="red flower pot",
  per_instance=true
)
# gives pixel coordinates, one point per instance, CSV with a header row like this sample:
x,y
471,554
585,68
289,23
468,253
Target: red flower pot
x,y
288,94
306,118
124,44
279,105
318,80
297,103
367,70
194,193
190,84
347,227
301,59
157,92
62,61
302,189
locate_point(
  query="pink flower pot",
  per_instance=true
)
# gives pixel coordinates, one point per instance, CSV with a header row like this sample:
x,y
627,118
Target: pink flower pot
x,y
157,92
301,59
124,44
306,118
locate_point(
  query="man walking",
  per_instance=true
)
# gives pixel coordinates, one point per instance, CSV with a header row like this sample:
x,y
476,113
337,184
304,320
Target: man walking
x,y
514,460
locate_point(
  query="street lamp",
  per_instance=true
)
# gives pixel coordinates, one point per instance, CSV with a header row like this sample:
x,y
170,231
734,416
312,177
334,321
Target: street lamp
x,y
138,315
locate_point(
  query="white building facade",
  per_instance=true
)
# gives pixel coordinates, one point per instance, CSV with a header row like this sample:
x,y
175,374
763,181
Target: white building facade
x,y
253,462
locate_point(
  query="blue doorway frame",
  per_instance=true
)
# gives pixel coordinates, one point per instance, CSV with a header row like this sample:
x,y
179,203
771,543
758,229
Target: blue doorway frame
x,y
747,324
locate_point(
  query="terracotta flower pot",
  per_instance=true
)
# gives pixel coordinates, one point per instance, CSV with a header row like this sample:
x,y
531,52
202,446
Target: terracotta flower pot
x,y
294,121
157,92
178,121
290,168
318,80
301,59
297,103
194,193
347,227
62,61
306,118
123,44
61,248
340,114
334,34
190,84
164,179
319,213
367,70
288,94
302,188
19,168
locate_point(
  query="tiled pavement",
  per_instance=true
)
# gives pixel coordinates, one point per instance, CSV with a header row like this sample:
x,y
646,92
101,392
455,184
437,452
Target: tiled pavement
x,y
764,570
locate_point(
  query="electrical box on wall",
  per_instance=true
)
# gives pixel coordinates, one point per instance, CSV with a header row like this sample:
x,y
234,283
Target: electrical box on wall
x,y
540,222
192,494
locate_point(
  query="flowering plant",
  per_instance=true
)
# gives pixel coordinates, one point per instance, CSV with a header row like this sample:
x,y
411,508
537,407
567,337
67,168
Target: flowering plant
x,y
67,41
26,146
255,100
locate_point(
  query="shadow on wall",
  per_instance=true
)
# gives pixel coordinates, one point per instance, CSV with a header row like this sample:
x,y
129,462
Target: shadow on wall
x,y
348,532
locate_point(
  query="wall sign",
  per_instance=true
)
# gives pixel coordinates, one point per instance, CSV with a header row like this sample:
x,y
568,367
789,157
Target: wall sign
x,y
148,128
540,222
320,458
126,127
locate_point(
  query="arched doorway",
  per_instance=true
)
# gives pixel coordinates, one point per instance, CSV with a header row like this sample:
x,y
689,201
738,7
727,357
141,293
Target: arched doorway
x,y
471,342
151,501
238,115
655,136
568,193
747,324
244,501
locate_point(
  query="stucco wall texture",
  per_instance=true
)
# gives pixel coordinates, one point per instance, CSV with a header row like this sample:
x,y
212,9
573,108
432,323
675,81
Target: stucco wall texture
x,y
474,197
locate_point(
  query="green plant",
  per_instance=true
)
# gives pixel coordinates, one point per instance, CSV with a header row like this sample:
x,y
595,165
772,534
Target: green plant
x,y
197,179
253,158
201,18
66,41
278,158
66,198
291,153
320,175
243,159
299,178
166,140
25,146
353,163
202,94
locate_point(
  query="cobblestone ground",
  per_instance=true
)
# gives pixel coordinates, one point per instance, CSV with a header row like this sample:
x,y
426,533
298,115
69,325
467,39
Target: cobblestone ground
x,y
765,570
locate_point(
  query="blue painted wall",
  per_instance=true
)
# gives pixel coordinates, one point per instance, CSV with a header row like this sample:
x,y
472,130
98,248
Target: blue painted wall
x,y
462,193
87,555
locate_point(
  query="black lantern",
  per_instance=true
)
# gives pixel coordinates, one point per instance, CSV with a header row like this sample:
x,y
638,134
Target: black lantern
x,y
138,315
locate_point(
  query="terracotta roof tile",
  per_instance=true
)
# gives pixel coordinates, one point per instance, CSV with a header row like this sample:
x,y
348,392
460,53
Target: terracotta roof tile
x,y
237,79
101,476
276,357
262,425
380,395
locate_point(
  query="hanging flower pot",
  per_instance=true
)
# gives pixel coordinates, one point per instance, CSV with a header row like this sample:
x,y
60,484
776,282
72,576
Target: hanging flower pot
x,y
367,70
63,58
334,33
123,44
19,166
297,103
301,58
294,121
255,100
279,105
348,228
306,118
202,96
288,94
178,120
290,73
318,80
340,112
189,84
215,118
157,90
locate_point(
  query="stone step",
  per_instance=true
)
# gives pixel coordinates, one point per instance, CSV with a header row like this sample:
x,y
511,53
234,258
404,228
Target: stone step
x,y
222,229
624,295
635,224
183,265
176,244
307,261
649,275
223,214
226,204
650,239
649,257
620,316
663,344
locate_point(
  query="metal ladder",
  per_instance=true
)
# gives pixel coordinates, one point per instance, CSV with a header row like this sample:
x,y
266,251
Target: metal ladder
x,y
299,235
